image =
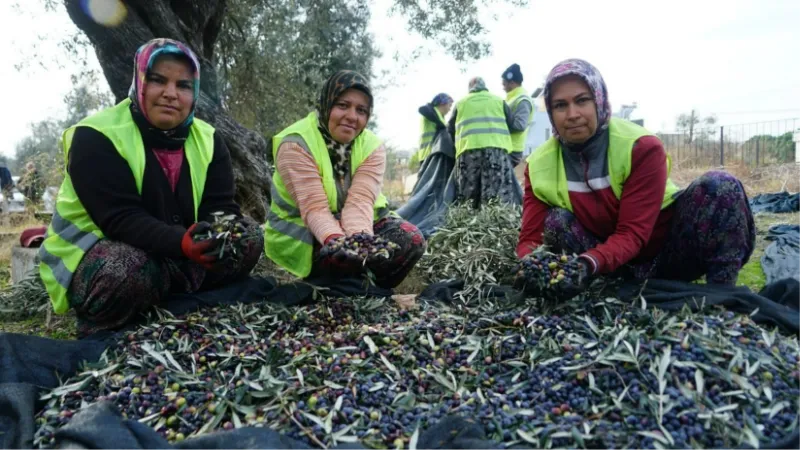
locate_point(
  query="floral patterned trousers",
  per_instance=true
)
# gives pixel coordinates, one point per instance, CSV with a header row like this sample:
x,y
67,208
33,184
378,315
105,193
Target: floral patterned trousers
x,y
115,282
486,174
712,234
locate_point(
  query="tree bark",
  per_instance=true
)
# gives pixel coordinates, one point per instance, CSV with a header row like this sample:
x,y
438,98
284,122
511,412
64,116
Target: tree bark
x,y
196,23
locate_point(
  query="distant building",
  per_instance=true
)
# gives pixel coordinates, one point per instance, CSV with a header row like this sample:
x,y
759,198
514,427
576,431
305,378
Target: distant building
x,y
540,130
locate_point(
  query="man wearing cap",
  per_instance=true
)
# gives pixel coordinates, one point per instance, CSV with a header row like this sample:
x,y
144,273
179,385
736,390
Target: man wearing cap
x,y
522,110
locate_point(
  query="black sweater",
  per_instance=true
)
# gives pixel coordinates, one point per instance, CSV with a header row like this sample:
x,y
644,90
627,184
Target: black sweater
x,y
156,220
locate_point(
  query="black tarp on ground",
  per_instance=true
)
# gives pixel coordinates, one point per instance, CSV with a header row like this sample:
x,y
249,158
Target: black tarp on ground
x,y
778,310
102,426
781,258
434,192
435,188
779,202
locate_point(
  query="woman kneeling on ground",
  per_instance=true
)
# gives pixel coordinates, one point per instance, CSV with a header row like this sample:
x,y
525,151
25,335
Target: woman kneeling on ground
x,y
143,178
600,188
327,193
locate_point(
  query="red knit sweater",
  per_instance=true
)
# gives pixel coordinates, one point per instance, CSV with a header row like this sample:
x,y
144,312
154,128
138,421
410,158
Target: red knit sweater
x,y
632,228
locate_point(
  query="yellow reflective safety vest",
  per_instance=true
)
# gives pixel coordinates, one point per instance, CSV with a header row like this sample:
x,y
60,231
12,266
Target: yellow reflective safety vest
x,y
481,123
548,176
514,98
288,242
426,139
72,232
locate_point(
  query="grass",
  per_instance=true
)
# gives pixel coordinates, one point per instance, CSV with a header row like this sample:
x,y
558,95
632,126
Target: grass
x,y
61,327
752,275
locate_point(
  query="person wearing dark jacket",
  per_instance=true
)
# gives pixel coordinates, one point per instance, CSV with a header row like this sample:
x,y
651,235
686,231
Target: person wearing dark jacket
x,y
600,189
434,189
6,180
143,180
433,123
480,128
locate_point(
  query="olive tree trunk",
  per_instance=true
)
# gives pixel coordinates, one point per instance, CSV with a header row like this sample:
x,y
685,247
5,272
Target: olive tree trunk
x,y
196,23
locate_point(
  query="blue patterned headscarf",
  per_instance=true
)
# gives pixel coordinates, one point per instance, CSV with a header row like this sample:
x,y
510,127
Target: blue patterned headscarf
x,y
441,99
146,56
591,76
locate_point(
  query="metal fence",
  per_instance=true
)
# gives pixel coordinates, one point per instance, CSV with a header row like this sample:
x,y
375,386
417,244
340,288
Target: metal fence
x,y
752,144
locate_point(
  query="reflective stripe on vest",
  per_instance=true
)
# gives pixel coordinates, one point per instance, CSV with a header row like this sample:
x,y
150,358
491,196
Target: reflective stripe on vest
x,y
514,98
548,175
426,140
72,232
481,123
288,241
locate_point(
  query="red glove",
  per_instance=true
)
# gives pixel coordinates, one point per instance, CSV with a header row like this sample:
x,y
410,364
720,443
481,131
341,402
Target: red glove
x,y
204,252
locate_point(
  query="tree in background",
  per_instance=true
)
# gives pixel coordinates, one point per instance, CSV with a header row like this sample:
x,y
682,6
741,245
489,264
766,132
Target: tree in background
x,y
455,23
688,123
779,148
273,56
395,175
41,146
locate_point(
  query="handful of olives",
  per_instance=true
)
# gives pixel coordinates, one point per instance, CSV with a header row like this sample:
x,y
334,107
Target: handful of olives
x,y
231,233
362,246
543,270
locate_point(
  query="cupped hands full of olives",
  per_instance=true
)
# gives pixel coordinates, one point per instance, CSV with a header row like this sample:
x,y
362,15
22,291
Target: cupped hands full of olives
x,y
542,270
232,233
361,245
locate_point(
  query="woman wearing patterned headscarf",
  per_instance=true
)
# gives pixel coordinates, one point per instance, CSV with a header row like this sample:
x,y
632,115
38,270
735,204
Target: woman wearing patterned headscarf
x,y
143,178
480,126
327,188
600,188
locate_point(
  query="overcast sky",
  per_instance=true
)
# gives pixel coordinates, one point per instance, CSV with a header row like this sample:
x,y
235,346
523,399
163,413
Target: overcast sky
x,y
735,58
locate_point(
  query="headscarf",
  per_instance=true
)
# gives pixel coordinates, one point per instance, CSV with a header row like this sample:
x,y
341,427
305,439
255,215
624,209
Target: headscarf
x,y
143,62
333,88
477,84
441,99
591,76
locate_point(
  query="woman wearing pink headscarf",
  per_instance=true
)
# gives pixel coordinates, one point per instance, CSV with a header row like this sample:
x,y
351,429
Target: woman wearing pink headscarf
x,y
143,179
600,188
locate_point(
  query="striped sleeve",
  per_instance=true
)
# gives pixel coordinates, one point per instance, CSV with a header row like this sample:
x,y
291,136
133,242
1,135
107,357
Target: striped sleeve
x,y
358,211
301,176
